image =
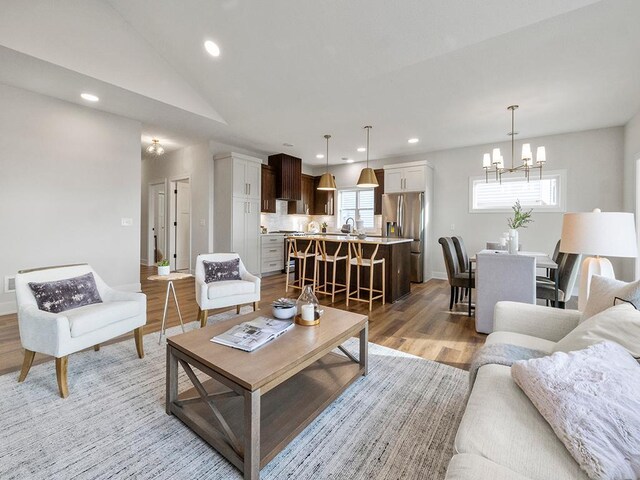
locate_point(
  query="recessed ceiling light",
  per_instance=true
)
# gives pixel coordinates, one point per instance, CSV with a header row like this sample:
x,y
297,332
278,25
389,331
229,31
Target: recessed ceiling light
x,y
89,97
285,144
350,160
362,149
212,48
413,140
319,155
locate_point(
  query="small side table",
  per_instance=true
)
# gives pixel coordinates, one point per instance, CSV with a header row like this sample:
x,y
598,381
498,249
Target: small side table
x,y
169,279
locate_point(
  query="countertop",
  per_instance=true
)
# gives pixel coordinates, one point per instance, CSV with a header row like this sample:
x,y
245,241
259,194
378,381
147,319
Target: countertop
x,y
352,238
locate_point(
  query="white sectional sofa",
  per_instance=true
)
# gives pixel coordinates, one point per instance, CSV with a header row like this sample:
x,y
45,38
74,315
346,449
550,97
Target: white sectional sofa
x,y
502,436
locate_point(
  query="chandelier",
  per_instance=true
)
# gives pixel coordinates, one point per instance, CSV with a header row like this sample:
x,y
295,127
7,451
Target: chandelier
x,y
494,162
155,148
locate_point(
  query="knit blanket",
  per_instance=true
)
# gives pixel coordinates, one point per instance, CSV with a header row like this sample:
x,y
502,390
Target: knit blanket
x,y
500,354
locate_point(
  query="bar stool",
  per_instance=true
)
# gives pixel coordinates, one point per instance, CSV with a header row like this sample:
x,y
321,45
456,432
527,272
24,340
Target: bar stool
x,y
333,259
294,253
357,258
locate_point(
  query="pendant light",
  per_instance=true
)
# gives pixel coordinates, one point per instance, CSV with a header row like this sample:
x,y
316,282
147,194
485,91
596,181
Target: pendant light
x,y
326,180
367,175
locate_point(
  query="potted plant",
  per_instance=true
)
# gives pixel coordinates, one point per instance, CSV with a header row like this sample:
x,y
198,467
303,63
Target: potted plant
x,y
163,267
324,227
520,219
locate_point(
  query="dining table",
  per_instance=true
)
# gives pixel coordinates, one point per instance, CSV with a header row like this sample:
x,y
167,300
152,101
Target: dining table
x,y
543,261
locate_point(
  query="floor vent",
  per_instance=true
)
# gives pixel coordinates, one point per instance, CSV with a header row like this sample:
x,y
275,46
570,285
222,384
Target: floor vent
x,y
9,284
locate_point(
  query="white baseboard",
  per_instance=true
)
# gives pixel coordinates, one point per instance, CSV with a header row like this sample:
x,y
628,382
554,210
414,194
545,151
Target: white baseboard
x,y
439,275
9,307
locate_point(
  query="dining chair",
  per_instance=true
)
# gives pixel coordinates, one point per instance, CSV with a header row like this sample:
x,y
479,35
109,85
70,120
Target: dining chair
x,y
457,279
462,256
568,267
550,272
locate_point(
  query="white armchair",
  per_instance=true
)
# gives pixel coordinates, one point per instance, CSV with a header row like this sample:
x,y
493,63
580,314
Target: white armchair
x,y
60,334
226,293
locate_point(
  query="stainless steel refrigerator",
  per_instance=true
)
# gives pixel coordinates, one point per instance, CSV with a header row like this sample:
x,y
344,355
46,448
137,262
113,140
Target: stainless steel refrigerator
x,y
403,215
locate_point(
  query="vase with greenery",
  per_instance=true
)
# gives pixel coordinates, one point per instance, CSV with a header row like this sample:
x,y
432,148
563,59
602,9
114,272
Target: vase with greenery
x,y
521,219
163,267
324,227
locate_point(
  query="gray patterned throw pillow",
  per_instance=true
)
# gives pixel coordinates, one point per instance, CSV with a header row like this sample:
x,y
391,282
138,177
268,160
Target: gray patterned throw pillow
x,y
62,295
221,271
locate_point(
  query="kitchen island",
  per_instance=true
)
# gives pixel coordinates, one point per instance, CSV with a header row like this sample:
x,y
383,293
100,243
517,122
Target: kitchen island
x,y
395,251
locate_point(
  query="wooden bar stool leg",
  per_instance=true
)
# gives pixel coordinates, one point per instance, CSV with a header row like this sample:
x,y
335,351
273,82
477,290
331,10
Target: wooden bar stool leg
x,y
303,272
384,279
371,270
358,280
286,286
348,280
333,288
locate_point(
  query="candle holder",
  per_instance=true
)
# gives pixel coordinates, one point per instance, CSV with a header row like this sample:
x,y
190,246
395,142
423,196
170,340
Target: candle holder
x,y
307,305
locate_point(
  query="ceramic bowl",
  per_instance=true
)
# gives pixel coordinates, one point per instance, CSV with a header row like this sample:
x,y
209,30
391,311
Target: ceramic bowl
x,y
284,313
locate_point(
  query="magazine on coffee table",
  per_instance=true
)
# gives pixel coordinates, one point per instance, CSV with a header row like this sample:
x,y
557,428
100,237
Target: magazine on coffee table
x,y
249,336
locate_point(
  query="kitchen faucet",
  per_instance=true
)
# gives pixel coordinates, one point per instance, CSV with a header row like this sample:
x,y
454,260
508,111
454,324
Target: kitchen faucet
x,y
346,228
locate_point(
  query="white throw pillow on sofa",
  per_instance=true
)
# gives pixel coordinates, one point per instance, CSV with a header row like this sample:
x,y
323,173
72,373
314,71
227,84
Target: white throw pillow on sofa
x,y
620,324
591,399
604,291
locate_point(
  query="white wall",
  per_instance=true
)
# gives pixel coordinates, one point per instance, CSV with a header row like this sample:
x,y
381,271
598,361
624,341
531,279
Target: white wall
x,y
195,162
68,175
594,161
631,156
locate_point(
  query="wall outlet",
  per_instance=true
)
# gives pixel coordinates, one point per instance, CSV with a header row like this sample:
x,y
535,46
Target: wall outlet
x,y
127,222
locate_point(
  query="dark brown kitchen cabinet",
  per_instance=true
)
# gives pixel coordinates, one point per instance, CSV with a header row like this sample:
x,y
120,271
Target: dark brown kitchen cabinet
x,y
324,201
305,206
268,204
378,191
288,172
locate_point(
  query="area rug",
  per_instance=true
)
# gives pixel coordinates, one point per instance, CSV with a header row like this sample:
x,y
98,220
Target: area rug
x,y
399,422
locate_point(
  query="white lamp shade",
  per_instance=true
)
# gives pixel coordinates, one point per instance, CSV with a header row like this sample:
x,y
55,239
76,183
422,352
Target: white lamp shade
x,y
500,162
609,234
541,155
526,151
486,161
496,156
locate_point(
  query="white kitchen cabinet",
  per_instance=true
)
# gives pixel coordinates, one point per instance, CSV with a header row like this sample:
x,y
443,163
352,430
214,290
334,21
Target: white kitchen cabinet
x,y
406,177
237,207
272,249
246,178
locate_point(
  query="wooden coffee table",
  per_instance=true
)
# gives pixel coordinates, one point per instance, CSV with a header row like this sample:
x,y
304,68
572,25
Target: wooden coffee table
x,y
255,403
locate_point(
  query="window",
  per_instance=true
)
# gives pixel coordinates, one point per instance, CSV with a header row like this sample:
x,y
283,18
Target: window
x,y
357,204
546,194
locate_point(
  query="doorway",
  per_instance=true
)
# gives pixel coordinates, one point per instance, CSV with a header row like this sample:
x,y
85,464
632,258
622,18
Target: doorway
x,y
157,235
180,235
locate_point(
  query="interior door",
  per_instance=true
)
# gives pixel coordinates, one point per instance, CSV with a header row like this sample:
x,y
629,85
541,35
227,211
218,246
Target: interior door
x,y
183,227
159,224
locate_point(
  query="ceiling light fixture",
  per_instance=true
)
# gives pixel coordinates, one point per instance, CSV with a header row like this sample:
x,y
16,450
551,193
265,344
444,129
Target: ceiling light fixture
x,y
90,97
413,140
327,182
494,162
350,160
320,155
155,148
362,149
367,175
212,48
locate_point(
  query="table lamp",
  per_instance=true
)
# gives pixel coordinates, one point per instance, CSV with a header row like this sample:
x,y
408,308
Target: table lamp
x,y
598,233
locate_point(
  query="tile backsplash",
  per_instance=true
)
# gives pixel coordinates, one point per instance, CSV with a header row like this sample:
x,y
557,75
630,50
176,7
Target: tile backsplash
x,y
281,220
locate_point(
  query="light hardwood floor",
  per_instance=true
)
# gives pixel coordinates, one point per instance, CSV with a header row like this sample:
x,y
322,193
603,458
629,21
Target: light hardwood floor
x,y
420,323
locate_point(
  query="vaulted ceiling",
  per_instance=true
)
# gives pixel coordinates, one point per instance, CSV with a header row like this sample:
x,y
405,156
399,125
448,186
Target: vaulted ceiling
x,y
293,70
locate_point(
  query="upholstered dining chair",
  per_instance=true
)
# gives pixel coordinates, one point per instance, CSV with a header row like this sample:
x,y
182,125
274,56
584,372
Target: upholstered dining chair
x,y
457,279
462,256
550,272
223,281
568,267
59,313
